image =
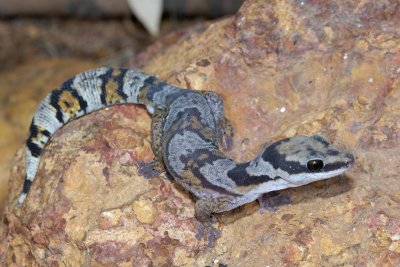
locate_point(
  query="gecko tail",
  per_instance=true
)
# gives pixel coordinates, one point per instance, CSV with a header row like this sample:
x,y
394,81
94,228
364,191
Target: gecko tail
x,y
25,190
84,93
21,198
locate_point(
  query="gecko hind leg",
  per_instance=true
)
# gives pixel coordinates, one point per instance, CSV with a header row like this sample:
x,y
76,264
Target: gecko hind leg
x,y
225,134
224,127
156,166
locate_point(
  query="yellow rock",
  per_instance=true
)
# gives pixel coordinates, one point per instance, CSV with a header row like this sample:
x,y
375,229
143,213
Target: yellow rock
x,y
110,218
182,258
144,211
395,247
329,33
329,247
382,239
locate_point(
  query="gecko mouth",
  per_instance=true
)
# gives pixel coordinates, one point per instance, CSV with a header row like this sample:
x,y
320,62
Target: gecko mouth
x,y
302,179
291,181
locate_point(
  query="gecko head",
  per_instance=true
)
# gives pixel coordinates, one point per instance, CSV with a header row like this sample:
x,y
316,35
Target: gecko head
x,y
304,159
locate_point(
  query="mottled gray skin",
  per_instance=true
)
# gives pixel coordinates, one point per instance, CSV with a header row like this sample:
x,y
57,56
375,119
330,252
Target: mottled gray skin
x,y
189,135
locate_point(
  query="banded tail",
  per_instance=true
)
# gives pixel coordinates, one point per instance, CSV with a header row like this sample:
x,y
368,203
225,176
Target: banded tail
x,y
84,93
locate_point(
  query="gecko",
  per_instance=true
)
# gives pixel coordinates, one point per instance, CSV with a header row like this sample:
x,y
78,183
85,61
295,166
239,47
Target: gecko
x,y
190,136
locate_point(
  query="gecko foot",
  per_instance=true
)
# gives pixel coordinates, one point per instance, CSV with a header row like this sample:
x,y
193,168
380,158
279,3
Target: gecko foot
x,y
150,169
208,232
271,201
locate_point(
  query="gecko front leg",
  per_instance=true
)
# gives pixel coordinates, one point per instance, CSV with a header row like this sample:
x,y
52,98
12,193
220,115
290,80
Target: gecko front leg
x,y
271,201
203,213
156,166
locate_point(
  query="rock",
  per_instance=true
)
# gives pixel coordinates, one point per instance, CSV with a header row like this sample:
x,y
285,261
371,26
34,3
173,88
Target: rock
x,y
144,211
283,69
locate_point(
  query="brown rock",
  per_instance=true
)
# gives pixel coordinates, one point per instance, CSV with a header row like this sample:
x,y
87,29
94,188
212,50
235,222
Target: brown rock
x,y
299,67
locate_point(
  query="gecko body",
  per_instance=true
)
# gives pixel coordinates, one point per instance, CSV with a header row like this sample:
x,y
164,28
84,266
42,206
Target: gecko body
x,y
189,136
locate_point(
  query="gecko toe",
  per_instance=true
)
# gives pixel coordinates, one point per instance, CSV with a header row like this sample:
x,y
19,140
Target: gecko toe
x,y
213,235
209,233
226,140
200,232
149,169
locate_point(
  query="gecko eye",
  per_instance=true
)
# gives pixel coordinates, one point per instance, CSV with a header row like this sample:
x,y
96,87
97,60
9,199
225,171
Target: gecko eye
x,y
315,165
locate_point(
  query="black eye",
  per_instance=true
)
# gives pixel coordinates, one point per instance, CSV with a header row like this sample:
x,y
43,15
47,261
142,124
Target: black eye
x,y
315,165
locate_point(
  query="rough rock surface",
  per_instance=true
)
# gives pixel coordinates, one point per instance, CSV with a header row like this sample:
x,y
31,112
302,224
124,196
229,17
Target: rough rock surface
x,y
283,69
